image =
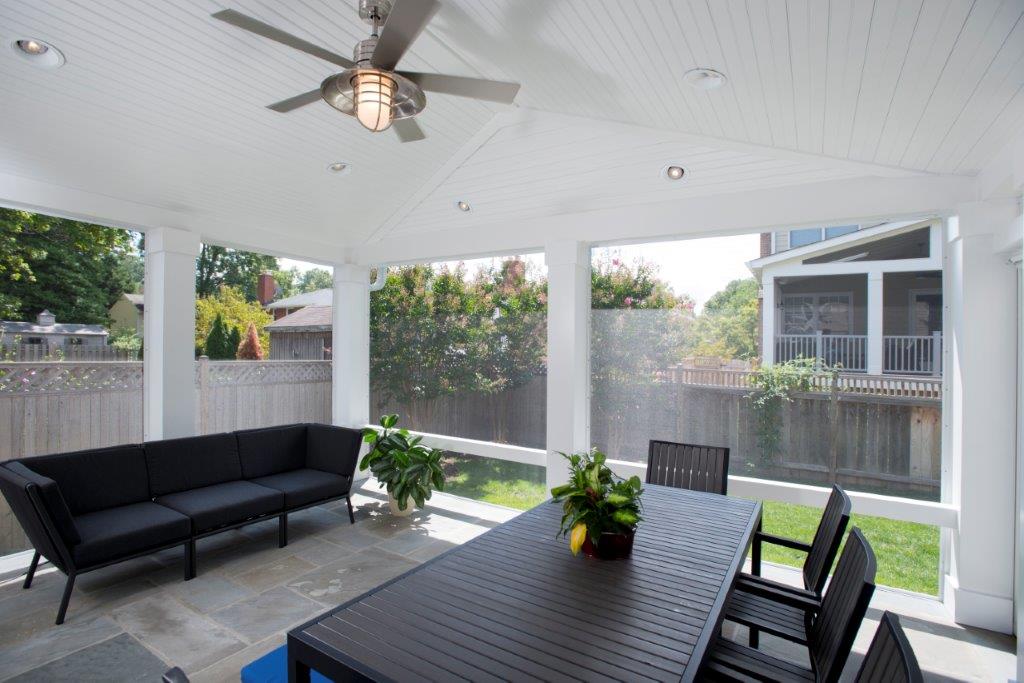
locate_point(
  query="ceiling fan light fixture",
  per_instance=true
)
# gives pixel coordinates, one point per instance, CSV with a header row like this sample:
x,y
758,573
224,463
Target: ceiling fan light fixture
x,y
373,94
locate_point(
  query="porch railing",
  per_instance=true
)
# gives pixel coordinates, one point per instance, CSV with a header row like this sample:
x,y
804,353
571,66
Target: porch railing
x,y
914,355
846,350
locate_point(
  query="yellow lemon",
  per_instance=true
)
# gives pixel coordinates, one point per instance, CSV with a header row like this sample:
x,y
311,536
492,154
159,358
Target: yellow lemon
x,y
577,536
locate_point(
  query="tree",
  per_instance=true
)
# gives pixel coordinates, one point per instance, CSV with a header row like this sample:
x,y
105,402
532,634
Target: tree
x,y
218,267
217,343
727,327
235,312
250,348
235,340
75,270
313,279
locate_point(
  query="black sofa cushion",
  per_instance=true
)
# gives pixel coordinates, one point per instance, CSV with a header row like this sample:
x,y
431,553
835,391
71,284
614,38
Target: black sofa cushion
x,y
97,479
271,450
54,501
222,504
126,530
333,449
191,463
306,486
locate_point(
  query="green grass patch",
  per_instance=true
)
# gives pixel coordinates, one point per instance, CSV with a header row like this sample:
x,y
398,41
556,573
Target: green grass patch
x,y
907,553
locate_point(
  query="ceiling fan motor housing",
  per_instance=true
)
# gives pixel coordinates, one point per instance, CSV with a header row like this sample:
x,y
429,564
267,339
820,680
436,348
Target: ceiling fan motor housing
x,y
363,51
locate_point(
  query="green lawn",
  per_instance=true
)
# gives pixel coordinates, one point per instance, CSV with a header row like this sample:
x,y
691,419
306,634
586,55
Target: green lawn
x,y
908,553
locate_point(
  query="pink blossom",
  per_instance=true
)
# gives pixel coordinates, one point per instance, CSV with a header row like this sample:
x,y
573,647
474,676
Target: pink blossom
x,y
629,301
615,261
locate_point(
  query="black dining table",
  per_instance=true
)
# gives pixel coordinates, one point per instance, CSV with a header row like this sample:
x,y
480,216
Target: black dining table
x,y
514,604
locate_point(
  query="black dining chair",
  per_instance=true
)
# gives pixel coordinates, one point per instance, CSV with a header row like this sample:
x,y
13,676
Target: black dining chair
x,y
890,659
828,638
686,466
754,597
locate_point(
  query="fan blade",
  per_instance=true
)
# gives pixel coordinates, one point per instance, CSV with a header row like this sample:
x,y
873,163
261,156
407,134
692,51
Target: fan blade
x,y
285,106
405,22
408,130
247,23
477,88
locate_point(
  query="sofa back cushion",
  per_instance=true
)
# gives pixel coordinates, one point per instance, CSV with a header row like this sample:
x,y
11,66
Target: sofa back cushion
x,y
333,449
97,479
52,500
191,463
272,450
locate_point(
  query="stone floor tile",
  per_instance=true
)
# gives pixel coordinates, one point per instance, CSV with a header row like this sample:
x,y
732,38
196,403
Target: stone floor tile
x,y
227,670
318,550
274,573
209,592
181,636
268,613
52,642
354,574
120,658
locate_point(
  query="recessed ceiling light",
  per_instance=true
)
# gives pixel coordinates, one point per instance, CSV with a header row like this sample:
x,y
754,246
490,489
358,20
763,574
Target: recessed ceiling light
x,y
38,52
462,206
339,167
704,79
674,172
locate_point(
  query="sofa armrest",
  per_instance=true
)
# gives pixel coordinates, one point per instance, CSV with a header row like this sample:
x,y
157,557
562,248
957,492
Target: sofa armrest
x,y
333,449
52,500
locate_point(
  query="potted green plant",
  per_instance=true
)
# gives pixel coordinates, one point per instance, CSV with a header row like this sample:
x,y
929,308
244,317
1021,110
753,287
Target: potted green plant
x,y
403,464
601,510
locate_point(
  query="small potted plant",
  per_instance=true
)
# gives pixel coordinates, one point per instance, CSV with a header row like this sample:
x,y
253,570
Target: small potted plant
x,y
601,509
402,464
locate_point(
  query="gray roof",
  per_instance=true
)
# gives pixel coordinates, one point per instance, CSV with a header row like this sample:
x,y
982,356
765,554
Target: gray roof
x,y
319,297
306,319
138,299
16,327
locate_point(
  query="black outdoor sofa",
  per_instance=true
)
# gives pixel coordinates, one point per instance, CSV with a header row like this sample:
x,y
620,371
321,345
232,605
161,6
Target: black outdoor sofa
x,y
91,509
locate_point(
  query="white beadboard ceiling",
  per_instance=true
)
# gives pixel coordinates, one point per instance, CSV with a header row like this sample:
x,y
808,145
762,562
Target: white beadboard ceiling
x,y
160,105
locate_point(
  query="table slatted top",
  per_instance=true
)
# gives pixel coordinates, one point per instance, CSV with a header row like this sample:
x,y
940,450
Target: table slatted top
x,y
515,604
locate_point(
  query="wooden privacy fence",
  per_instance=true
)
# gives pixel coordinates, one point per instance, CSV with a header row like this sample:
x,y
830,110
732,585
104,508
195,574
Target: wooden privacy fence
x,y
887,386
39,353
63,406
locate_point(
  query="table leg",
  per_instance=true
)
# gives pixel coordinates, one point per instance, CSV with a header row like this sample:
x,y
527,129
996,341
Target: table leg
x,y
297,671
755,569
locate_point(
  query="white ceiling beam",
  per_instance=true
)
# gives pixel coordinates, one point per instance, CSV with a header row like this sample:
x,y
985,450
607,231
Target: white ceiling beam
x,y
856,200
55,200
1003,175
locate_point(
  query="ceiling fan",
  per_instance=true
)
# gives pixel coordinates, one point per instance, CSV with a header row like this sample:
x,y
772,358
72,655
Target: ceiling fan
x,y
370,89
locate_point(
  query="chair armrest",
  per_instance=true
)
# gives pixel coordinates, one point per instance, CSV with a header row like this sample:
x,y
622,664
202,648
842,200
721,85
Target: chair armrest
x,y
762,537
787,595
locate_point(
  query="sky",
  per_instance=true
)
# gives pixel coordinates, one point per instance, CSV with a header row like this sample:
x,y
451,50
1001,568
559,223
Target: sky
x,y
698,267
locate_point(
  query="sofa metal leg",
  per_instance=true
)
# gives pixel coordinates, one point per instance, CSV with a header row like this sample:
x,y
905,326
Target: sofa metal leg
x,y
191,563
282,530
68,587
31,571
190,559
351,515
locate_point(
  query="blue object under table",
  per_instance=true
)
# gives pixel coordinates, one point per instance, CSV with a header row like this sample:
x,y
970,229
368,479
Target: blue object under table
x,y
273,668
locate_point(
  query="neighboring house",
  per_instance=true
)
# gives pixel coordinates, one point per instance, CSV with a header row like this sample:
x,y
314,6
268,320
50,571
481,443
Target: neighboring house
x,y
46,331
282,307
867,298
127,313
302,335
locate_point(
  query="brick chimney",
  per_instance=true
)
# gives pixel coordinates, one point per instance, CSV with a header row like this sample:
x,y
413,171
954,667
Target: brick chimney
x,y
266,288
766,244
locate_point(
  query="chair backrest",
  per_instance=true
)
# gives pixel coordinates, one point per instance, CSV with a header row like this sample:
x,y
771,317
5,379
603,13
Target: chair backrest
x,y
890,659
23,497
827,540
685,466
843,607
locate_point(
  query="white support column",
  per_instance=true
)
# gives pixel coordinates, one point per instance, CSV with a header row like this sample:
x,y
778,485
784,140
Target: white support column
x,y
980,382
876,310
769,319
350,346
568,409
169,390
